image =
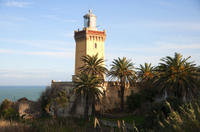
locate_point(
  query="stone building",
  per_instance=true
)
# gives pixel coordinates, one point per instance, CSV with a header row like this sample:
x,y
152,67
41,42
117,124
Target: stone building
x,y
90,41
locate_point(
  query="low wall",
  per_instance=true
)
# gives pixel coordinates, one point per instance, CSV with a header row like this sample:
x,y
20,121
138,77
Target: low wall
x,y
110,99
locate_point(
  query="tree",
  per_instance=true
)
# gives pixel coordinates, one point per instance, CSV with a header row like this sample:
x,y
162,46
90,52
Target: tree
x,y
89,87
94,66
122,70
177,76
146,72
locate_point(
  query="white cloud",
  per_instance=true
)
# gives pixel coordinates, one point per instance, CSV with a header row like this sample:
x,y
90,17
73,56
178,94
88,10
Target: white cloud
x,y
178,25
162,25
154,51
157,47
164,45
69,20
59,54
32,76
68,35
7,51
57,18
43,44
19,4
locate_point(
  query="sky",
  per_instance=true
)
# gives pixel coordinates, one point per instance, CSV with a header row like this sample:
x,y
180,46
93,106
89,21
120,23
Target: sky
x,y
37,44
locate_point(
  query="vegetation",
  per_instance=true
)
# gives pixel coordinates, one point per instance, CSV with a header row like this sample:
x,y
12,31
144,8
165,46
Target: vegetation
x,y
146,72
145,110
89,87
177,77
53,98
95,67
7,111
147,91
122,70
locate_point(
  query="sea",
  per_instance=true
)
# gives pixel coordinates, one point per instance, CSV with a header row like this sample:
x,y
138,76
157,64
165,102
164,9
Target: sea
x,y
14,93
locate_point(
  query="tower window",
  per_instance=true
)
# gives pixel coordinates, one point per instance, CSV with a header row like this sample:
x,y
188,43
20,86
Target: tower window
x,y
95,45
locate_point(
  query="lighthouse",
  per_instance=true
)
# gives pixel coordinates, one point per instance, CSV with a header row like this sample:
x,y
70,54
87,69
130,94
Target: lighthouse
x,y
89,40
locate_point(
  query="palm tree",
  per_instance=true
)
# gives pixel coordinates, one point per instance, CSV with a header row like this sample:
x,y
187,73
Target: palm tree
x,y
93,65
177,76
89,87
122,70
146,72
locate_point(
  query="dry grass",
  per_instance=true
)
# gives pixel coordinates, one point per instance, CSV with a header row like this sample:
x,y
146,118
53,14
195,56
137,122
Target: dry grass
x,y
7,126
50,125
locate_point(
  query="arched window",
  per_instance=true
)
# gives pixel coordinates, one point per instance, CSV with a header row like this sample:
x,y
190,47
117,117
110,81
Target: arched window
x,y
95,45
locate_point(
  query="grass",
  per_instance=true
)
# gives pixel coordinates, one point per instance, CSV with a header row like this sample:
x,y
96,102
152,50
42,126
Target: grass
x,y
8,126
139,120
68,124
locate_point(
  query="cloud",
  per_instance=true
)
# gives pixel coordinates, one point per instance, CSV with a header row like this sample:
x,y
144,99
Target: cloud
x,y
68,35
158,46
57,18
59,54
154,52
177,25
32,76
162,25
43,44
165,45
19,4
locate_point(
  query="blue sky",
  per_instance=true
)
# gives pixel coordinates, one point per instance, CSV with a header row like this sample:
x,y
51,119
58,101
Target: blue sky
x,y
37,44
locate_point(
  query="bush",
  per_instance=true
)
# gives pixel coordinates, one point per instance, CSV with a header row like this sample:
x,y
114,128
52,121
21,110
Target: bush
x,y
136,100
53,98
7,111
174,116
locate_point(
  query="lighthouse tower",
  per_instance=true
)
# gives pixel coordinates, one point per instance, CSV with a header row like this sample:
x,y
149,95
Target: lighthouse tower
x,y
89,41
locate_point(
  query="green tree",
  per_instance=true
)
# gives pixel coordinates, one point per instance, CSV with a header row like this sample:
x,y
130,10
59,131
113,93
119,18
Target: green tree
x,y
53,98
89,87
122,70
177,77
146,72
94,66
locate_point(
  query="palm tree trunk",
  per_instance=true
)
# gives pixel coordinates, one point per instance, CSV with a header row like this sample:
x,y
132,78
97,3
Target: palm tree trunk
x,y
122,87
93,109
86,107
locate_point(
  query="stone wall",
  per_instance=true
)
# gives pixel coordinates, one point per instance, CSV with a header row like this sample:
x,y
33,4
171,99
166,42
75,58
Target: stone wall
x,y
110,99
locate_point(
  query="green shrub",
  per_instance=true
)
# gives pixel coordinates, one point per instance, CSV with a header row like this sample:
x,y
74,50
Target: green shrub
x,y
174,116
7,111
134,101
5,104
53,97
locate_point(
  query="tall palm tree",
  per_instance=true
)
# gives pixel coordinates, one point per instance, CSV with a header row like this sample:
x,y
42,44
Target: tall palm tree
x,y
122,70
94,66
146,72
177,76
89,87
